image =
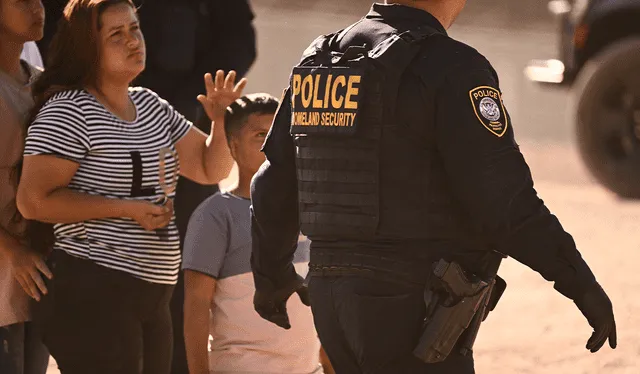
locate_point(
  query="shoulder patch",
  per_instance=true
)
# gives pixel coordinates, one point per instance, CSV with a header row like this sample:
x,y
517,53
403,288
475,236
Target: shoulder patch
x,y
488,106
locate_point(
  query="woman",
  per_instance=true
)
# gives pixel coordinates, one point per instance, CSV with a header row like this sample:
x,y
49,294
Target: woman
x,y
100,162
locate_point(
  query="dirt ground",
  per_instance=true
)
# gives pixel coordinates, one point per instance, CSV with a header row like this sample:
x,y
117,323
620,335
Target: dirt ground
x,y
536,330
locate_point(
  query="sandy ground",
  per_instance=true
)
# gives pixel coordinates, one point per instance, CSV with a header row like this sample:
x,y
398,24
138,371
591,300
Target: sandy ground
x,y
536,330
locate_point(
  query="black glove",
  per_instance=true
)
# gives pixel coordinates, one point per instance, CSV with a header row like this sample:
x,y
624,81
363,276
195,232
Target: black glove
x,y
272,304
597,308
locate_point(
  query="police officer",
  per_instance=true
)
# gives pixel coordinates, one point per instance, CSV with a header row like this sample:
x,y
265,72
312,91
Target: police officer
x,y
394,153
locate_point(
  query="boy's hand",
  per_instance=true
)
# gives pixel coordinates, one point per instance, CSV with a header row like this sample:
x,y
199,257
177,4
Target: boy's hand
x,y
220,94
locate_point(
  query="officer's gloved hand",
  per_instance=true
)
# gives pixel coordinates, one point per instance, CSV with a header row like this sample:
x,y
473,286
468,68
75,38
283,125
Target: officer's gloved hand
x,y
272,304
597,308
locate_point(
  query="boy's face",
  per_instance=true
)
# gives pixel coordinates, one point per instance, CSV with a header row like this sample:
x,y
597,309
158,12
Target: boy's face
x,y
246,144
22,20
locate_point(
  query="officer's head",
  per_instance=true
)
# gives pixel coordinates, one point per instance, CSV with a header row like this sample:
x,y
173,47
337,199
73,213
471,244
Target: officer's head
x,y
446,11
247,122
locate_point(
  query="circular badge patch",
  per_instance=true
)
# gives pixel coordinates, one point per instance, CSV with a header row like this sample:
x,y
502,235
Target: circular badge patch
x,y
489,109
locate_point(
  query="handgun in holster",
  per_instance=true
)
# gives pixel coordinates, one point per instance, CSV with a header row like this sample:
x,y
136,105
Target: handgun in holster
x,y
457,305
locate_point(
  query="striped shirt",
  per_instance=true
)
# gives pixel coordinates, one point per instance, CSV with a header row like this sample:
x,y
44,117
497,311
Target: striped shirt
x,y
117,159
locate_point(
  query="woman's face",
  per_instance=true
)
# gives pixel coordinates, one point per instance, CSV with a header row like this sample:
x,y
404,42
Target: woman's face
x,y
121,44
22,20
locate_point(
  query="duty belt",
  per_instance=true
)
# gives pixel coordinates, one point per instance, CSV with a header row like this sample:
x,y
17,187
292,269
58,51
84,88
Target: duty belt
x,y
371,265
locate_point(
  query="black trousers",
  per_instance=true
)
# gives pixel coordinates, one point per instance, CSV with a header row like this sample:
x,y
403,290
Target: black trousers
x,y
369,325
98,320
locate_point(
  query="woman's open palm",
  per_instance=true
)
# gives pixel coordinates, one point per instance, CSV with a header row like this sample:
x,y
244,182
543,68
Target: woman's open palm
x,y
220,93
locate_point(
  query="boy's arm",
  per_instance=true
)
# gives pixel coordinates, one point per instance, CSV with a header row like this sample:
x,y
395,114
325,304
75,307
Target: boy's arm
x,y
205,247
199,289
326,364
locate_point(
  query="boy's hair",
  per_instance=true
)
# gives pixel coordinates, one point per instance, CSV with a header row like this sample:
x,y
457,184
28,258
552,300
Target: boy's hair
x,y
239,111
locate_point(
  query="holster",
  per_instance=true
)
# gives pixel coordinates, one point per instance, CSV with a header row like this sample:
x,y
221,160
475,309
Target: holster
x,y
457,303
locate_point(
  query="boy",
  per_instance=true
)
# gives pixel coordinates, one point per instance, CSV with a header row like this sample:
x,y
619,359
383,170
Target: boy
x,y
218,274
21,350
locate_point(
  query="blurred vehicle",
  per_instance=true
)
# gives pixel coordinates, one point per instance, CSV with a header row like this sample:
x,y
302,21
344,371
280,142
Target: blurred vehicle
x,y
599,61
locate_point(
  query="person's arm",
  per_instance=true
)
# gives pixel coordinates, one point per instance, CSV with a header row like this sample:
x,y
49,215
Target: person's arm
x,y
43,194
490,178
7,243
274,207
492,181
198,296
207,159
205,247
326,364
56,144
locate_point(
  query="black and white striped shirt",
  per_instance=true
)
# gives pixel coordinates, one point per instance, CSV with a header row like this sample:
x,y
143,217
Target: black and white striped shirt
x,y
117,159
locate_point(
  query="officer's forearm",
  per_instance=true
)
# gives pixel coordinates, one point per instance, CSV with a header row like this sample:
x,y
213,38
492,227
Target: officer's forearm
x,y
271,257
515,221
543,245
534,237
274,224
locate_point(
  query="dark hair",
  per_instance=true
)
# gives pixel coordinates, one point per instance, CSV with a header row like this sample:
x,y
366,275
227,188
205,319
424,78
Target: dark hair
x,y
239,111
73,56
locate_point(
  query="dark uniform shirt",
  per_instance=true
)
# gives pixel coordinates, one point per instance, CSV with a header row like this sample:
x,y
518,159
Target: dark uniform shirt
x,y
455,92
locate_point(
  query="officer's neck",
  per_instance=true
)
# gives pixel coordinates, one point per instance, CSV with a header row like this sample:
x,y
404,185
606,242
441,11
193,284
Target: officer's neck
x,y
438,9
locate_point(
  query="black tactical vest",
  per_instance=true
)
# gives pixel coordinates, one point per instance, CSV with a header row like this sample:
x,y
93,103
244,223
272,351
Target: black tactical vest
x,y
343,125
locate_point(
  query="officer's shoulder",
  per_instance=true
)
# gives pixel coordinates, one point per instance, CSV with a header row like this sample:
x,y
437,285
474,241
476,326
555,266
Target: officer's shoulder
x,y
316,45
321,41
454,56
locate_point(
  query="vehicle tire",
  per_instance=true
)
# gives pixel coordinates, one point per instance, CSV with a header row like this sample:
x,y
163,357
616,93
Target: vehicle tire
x,y
607,109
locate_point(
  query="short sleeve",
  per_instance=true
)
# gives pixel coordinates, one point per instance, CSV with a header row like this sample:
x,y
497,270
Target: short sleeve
x,y
59,129
206,242
179,126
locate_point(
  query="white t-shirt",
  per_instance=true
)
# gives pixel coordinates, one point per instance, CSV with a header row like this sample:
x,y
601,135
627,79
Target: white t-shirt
x,y
31,54
218,243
